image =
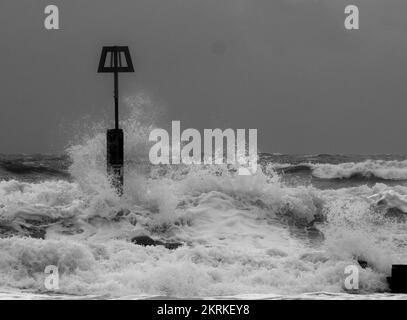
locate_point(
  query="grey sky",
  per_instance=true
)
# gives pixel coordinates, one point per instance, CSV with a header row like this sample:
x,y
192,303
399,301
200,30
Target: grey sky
x,y
286,67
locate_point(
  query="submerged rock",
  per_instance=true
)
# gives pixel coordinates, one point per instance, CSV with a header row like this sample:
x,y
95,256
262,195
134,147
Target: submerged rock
x,y
147,241
363,263
144,241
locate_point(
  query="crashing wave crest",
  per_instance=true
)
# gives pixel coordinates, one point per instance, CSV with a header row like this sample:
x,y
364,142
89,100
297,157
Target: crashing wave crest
x,y
239,234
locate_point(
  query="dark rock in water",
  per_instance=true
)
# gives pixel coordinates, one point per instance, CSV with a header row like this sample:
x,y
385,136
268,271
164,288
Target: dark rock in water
x,y
147,241
143,241
363,263
172,245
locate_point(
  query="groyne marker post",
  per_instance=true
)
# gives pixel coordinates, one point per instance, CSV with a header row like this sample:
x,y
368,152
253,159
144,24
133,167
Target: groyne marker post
x,y
115,59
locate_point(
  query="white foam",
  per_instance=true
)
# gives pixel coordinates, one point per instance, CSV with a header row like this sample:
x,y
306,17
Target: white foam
x,y
241,235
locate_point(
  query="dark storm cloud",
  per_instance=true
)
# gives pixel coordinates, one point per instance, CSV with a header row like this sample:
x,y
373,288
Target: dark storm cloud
x,y
287,68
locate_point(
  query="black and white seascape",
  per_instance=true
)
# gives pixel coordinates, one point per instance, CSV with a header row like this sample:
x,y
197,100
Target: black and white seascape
x,y
312,93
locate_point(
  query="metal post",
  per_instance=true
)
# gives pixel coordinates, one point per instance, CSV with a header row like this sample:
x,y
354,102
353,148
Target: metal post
x,y
116,92
115,158
114,137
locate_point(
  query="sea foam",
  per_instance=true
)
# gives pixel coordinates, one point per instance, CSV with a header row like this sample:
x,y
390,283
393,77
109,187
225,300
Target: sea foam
x,y
240,235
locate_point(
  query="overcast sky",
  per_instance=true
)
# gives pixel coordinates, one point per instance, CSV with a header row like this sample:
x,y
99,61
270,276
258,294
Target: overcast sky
x,y
286,67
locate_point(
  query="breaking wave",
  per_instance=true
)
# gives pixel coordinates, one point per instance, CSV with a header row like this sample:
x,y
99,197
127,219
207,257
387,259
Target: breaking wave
x,y
369,169
387,170
235,235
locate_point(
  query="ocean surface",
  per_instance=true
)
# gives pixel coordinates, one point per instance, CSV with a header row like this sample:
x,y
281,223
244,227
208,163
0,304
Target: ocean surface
x,y
287,232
